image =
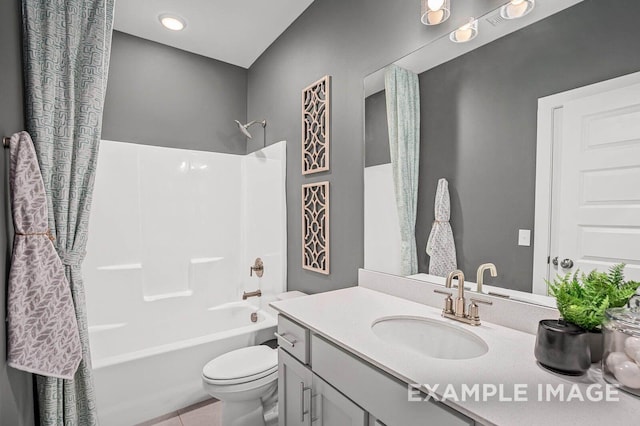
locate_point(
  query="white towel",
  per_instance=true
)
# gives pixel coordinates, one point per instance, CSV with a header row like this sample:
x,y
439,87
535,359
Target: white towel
x,y
441,246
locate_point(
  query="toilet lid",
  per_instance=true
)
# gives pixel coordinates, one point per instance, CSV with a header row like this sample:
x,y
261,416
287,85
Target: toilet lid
x,y
242,365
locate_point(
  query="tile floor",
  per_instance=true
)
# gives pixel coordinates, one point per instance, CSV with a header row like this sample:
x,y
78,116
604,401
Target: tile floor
x,y
208,413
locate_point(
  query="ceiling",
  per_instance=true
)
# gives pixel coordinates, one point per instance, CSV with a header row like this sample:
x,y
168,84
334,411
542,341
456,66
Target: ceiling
x,y
233,31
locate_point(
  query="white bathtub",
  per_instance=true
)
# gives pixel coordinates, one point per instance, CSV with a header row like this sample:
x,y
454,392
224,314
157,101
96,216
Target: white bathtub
x,y
161,369
172,235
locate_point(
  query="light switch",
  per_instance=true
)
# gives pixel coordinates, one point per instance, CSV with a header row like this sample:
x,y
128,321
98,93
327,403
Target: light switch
x,y
524,237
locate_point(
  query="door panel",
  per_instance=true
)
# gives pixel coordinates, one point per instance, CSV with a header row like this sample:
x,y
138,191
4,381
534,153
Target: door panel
x,y
598,208
294,391
331,408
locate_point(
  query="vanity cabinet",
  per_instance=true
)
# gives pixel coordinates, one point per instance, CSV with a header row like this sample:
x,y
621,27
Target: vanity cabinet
x,y
294,385
306,399
335,388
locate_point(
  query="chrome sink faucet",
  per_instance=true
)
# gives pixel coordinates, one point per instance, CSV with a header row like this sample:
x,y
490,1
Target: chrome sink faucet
x,y
480,274
457,311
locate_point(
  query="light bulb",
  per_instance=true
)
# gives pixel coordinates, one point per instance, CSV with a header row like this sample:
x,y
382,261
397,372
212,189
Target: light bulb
x,y
435,12
436,4
435,17
517,9
465,33
172,23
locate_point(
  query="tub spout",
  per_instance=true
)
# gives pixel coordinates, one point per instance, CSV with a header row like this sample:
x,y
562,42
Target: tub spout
x,y
256,293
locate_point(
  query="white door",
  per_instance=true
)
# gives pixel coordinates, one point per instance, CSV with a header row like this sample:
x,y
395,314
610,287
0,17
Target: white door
x,y
596,213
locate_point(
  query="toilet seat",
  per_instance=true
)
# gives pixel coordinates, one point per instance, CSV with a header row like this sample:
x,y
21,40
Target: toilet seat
x,y
241,366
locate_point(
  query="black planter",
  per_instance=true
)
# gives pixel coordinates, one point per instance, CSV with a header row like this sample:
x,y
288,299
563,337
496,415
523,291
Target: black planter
x,y
563,347
596,344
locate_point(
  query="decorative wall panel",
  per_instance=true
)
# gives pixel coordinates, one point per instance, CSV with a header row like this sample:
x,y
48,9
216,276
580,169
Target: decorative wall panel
x,y
315,227
316,108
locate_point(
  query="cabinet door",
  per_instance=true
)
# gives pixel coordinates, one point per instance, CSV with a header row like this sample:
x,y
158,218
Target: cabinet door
x,y
331,408
381,395
294,391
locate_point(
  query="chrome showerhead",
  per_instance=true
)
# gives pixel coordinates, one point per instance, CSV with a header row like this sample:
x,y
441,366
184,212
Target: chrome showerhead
x,y
243,127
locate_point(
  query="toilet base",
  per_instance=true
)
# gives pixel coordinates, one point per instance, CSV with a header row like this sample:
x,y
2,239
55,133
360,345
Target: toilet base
x,y
244,413
271,416
251,412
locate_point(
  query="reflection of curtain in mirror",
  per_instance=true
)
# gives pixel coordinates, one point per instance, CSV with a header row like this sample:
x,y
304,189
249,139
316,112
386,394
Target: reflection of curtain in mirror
x,y
403,117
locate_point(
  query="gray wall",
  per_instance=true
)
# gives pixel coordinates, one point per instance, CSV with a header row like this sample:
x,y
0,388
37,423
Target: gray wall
x,y
376,130
16,401
159,95
347,40
478,115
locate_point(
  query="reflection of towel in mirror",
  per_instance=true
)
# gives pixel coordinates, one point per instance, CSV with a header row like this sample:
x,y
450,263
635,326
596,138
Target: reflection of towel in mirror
x,y
440,246
42,330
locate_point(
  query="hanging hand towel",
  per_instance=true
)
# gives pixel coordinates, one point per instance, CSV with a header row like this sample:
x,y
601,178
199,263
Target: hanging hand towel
x,y
42,330
440,246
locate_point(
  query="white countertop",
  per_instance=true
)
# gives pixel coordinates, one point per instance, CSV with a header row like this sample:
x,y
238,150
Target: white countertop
x,y
344,317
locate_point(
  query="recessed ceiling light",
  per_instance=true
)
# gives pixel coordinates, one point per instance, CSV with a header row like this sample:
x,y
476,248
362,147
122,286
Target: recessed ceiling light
x,y
172,22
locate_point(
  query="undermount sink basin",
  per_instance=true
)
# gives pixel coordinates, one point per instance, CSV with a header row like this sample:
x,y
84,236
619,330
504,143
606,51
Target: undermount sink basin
x,y
432,338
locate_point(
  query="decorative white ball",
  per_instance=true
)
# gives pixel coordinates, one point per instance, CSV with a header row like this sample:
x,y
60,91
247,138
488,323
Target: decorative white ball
x,y
616,358
631,346
628,374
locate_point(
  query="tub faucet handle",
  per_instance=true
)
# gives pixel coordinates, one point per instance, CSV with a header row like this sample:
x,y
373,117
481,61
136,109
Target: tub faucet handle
x,y
258,267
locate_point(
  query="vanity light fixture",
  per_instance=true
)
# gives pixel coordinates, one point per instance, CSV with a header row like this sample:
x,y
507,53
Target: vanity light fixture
x,y
517,8
434,12
172,22
465,33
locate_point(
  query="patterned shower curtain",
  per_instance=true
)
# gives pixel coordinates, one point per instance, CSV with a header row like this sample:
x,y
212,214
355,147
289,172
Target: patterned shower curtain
x,y
402,93
66,58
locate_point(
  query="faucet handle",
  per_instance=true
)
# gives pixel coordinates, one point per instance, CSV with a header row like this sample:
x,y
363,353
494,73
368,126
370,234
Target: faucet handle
x,y
476,301
474,312
448,301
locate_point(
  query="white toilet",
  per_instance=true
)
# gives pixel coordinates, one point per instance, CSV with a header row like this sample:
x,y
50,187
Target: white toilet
x,y
246,381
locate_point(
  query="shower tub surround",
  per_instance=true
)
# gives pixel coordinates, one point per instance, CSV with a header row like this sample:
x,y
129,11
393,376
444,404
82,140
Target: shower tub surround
x,y
172,235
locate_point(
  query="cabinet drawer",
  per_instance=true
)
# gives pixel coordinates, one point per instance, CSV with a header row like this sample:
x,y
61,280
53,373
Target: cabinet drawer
x,y
293,338
378,393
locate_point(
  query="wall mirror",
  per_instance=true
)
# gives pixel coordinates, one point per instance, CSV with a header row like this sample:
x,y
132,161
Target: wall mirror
x,y
535,124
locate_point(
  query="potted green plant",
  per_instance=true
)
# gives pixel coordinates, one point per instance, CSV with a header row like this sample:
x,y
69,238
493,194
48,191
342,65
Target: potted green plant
x,y
582,300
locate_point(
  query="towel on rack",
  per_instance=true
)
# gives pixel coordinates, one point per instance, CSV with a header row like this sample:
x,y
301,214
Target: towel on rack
x,y
42,329
441,246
